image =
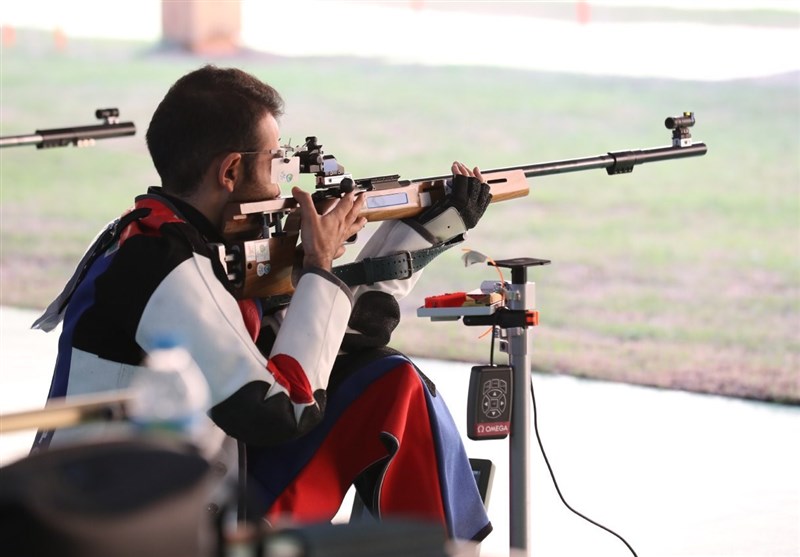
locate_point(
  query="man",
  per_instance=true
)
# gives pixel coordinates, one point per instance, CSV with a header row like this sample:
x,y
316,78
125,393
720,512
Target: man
x,y
309,434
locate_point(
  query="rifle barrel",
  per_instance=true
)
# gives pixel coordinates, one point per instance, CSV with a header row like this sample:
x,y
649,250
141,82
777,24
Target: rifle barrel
x,y
71,412
615,162
60,137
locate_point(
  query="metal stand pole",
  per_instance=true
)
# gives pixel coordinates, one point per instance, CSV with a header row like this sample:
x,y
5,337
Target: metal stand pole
x,y
514,318
520,301
519,442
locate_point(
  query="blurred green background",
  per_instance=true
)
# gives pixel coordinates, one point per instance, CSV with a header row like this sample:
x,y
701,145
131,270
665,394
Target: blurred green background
x,y
684,274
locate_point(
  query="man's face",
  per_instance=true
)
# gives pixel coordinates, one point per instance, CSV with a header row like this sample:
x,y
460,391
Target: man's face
x,y
257,185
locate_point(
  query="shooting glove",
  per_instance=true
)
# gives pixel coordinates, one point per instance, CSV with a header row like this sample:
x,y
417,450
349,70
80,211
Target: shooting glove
x,y
458,212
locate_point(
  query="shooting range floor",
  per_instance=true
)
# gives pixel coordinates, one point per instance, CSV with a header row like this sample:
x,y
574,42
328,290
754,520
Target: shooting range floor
x,y
677,474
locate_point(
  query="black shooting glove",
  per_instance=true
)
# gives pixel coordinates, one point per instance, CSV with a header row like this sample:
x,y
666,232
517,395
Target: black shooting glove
x,y
457,212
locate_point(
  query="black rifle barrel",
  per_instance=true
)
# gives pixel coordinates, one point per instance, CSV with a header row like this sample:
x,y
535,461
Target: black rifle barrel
x,y
61,137
616,162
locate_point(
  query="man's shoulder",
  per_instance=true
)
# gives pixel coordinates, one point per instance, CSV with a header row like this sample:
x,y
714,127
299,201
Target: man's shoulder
x,y
159,224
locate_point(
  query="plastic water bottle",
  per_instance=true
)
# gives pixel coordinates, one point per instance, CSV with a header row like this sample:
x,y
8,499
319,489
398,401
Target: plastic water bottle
x,y
170,394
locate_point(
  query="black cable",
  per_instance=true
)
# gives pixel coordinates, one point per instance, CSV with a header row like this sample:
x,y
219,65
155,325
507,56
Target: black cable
x,y
555,483
491,350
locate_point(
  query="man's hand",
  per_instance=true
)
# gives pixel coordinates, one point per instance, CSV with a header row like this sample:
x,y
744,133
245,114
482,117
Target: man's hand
x,y
323,236
461,209
470,194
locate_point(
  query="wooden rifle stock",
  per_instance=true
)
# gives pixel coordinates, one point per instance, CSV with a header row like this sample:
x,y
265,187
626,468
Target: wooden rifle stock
x,y
70,412
263,267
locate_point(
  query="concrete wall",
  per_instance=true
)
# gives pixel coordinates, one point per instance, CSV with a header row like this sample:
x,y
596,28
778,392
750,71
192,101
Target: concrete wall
x,y
202,26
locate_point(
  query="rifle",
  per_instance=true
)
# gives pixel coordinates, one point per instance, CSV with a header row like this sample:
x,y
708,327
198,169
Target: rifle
x,y
262,244
77,410
80,136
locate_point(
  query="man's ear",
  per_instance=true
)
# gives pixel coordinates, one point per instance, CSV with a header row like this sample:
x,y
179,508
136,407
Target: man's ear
x,y
230,170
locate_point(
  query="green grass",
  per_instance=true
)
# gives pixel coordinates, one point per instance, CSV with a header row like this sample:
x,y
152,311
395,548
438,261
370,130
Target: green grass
x,y
683,274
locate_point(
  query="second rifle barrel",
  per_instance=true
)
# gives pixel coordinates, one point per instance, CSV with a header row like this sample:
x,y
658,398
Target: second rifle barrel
x,y
60,137
64,136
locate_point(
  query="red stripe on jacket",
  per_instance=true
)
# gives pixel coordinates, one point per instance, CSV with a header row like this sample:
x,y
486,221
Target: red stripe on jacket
x,y
394,404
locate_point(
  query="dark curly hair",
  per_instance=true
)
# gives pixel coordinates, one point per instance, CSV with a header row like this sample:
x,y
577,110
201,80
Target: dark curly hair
x,y
207,112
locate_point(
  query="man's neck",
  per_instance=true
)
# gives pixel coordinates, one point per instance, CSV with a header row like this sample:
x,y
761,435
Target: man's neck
x,y
208,205
188,208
